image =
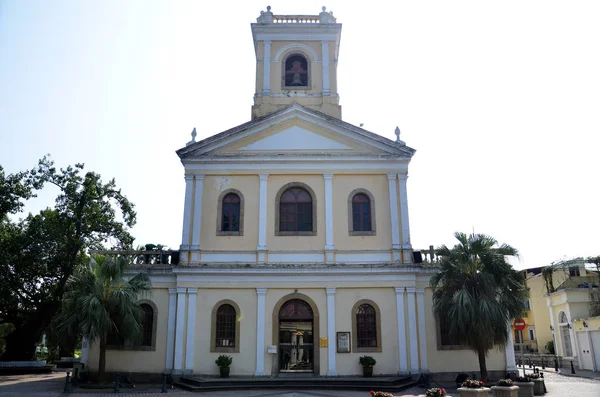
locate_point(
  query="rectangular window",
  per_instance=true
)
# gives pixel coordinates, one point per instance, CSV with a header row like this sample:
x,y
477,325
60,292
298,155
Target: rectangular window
x,y
574,271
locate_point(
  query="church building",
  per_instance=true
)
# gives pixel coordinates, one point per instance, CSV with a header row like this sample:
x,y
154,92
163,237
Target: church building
x,y
296,253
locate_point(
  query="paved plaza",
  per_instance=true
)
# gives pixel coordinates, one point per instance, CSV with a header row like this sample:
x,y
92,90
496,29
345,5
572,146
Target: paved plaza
x,y
52,385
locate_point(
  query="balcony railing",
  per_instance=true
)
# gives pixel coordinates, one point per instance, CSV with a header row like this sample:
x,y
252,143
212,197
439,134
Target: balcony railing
x,y
580,282
156,257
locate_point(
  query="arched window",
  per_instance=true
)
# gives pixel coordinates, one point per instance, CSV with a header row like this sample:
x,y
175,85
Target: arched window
x,y
147,324
147,341
565,334
295,73
230,213
366,326
230,221
225,327
296,211
361,213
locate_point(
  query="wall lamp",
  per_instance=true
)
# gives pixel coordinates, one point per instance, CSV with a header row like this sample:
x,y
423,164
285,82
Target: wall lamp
x,y
569,325
585,324
551,328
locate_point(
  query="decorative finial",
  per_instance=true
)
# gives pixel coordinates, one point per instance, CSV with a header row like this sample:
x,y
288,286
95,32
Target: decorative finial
x,y
268,8
193,137
397,132
323,8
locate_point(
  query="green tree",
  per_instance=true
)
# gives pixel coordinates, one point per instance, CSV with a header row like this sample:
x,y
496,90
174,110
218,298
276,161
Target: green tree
x,y
41,251
478,292
100,302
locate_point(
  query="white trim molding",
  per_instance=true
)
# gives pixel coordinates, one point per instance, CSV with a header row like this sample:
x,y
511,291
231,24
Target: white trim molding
x,y
328,212
412,330
325,63
331,346
171,329
402,177
400,318
262,211
284,49
394,212
191,326
187,212
422,331
266,89
179,328
196,226
261,294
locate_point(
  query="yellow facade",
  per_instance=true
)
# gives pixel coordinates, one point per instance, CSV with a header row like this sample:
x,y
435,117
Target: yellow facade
x,y
320,282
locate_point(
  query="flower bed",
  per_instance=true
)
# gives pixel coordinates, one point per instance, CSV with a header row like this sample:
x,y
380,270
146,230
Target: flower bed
x,y
473,388
436,392
380,394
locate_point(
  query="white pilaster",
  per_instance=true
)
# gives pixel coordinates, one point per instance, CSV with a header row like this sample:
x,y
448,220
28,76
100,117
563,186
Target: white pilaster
x,y
262,213
329,212
331,346
197,212
412,330
509,350
400,318
325,63
191,330
394,211
553,326
260,332
422,332
267,68
187,212
171,328
404,211
179,325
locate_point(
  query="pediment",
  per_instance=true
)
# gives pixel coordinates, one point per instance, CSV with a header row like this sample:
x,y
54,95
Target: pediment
x,y
295,131
295,138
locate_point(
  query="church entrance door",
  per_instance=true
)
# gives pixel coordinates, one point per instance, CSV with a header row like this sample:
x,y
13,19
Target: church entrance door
x,y
296,340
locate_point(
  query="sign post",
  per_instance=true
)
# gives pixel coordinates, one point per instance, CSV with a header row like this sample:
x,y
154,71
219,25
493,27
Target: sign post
x,y
520,325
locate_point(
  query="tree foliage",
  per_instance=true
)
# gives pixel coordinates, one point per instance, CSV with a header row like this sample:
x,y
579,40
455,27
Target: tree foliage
x,y
41,251
99,302
478,292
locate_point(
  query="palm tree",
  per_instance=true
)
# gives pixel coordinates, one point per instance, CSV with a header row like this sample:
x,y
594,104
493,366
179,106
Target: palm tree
x,y
100,302
478,293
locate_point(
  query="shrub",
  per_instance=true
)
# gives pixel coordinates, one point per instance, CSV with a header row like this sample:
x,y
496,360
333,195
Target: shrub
x,y
435,392
505,382
224,361
473,384
367,361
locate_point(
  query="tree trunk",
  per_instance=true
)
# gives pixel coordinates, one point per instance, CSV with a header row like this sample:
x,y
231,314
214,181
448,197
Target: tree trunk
x,y
102,359
482,365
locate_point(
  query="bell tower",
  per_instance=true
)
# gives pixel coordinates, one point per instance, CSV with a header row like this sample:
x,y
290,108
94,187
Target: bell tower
x,y
296,62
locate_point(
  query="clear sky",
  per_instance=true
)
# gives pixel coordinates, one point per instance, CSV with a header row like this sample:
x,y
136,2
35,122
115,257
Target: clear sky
x,y
501,100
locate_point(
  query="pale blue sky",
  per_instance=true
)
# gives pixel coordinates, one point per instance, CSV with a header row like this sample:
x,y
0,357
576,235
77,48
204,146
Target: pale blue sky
x,y
500,99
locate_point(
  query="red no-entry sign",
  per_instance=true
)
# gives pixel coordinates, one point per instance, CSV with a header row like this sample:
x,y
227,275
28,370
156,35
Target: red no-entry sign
x,y
519,324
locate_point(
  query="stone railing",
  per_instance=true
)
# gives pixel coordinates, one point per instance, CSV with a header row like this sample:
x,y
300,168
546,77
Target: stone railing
x,y
426,255
269,17
296,19
154,257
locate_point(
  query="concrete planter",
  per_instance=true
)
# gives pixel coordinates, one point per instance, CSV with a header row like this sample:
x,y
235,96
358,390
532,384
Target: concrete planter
x,y
467,392
505,391
525,389
538,387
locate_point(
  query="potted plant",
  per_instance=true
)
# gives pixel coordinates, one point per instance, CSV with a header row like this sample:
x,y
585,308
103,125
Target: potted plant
x,y
538,384
367,363
525,386
436,392
224,362
505,388
473,388
380,394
